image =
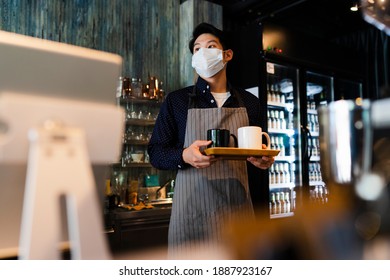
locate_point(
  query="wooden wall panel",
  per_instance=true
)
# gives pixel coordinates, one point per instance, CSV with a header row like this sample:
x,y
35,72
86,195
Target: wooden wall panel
x,y
144,32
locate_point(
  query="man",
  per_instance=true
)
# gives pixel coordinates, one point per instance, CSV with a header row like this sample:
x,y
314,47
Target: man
x,y
208,192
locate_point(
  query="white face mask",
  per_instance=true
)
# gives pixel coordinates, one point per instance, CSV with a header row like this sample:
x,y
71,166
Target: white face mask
x,y
207,62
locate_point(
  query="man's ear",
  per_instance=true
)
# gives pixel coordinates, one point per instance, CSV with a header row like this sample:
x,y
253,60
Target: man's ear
x,y
228,55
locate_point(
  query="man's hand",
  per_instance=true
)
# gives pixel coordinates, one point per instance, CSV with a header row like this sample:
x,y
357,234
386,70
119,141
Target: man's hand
x,y
263,162
193,156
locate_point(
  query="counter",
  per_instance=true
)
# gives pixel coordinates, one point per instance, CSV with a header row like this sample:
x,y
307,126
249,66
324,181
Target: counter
x,y
137,230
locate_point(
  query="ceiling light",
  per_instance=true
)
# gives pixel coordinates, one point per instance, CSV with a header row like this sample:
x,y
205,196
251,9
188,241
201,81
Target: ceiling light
x,y
354,8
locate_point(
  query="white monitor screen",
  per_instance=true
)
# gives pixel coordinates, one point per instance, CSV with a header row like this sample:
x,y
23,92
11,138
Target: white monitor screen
x,y
42,80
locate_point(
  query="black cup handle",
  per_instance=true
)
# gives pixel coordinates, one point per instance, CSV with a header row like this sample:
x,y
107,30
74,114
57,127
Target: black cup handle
x,y
235,140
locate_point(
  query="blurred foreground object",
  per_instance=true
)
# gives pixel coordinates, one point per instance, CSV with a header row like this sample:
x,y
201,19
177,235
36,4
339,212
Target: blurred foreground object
x,y
316,232
377,13
354,223
59,128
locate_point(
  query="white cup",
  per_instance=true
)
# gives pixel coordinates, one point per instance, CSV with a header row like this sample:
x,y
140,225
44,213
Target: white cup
x,y
250,137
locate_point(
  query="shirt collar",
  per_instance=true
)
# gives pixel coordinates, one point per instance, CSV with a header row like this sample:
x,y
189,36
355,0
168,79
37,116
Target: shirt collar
x,y
202,86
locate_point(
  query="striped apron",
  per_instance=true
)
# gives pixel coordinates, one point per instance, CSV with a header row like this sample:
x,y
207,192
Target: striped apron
x,y
206,199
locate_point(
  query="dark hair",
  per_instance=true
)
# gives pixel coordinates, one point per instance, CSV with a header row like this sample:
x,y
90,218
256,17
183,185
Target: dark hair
x,y
207,28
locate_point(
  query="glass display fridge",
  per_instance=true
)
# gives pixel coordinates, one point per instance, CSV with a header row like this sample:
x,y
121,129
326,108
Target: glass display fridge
x,y
319,91
283,126
293,96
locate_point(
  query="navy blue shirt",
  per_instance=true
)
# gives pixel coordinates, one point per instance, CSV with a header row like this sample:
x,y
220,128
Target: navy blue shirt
x,y
166,145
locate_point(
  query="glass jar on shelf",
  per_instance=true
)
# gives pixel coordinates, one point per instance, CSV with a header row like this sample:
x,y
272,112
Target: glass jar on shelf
x,y
136,87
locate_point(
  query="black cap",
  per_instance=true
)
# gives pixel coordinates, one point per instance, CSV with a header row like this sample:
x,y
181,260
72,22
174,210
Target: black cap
x,y
207,28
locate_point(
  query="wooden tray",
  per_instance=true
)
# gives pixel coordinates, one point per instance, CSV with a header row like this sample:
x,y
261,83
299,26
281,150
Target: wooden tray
x,y
239,153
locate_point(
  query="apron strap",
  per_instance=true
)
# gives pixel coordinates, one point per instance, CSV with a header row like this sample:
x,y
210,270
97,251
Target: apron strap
x,y
193,99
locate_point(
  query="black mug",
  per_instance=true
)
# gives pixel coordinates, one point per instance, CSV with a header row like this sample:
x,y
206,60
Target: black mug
x,y
220,138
